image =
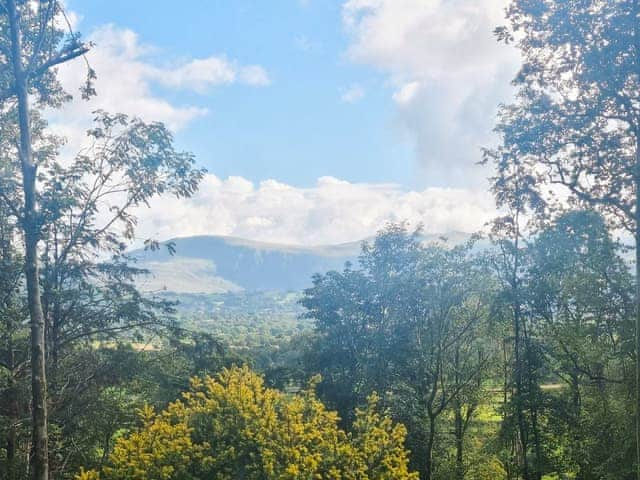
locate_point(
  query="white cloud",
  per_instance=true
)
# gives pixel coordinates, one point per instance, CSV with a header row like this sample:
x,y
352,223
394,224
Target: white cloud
x,y
332,211
448,74
198,74
353,94
201,74
255,75
126,77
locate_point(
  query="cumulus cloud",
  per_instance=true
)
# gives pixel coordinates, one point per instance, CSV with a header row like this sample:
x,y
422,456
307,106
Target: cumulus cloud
x,y
447,71
353,94
332,211
127,75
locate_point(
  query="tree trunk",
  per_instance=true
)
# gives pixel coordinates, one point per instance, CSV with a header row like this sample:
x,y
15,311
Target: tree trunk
x,y
459,440
523,436
637,308
537,444
31,226
428,465
506,391
14,412
574,422
517,337
458,419
533,402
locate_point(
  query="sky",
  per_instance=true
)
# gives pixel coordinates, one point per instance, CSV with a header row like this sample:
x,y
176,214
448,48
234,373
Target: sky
x,y
318,121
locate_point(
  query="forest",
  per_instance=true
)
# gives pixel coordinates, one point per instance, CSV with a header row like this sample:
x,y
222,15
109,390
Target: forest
x,y
512,355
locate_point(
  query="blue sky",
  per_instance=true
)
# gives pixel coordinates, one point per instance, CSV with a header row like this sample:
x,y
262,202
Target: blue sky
x,y
296,129
318,121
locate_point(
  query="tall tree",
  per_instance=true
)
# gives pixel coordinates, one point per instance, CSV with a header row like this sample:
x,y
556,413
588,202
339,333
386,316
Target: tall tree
x,y
512,186
33,45
580,298
72,292
575,126
405,323
88,283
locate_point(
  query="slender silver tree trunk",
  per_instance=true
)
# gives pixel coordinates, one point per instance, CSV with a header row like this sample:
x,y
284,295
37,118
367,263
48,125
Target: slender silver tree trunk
x,y
31,226
636,41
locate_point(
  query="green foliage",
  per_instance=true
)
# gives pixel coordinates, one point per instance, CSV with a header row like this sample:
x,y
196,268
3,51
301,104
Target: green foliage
x,y
255,325
86,283
570,140
233,427
516,363
573,124
431,327
409,322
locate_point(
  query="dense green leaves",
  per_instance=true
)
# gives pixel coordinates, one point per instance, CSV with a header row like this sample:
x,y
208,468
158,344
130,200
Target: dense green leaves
x,y
407,323
431,327
515,362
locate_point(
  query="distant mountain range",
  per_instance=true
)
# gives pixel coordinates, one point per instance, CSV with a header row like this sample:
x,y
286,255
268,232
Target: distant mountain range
x,y
217,264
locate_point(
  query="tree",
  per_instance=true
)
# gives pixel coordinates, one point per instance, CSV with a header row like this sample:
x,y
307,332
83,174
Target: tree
x,y
407,323
440,352
32,46
521,389
358,314
575,125
73,293
580,298
86,295
233,427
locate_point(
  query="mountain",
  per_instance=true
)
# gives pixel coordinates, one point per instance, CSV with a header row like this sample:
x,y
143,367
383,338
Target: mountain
x,y
218,264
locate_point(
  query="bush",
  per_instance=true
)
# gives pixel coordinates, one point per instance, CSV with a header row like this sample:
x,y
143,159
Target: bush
x,y
232,427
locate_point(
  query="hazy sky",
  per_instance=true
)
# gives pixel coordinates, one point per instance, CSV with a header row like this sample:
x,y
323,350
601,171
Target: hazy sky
x,y
317,120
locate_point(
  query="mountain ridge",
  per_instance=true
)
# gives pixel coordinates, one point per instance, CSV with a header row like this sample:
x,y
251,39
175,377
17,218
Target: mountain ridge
x,y
225,264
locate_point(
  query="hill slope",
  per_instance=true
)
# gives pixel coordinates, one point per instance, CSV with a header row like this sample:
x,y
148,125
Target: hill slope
x,y
216,264
213,264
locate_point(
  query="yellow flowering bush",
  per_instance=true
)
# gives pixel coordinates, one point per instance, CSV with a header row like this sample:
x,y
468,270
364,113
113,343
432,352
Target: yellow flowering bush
x,y
233,427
